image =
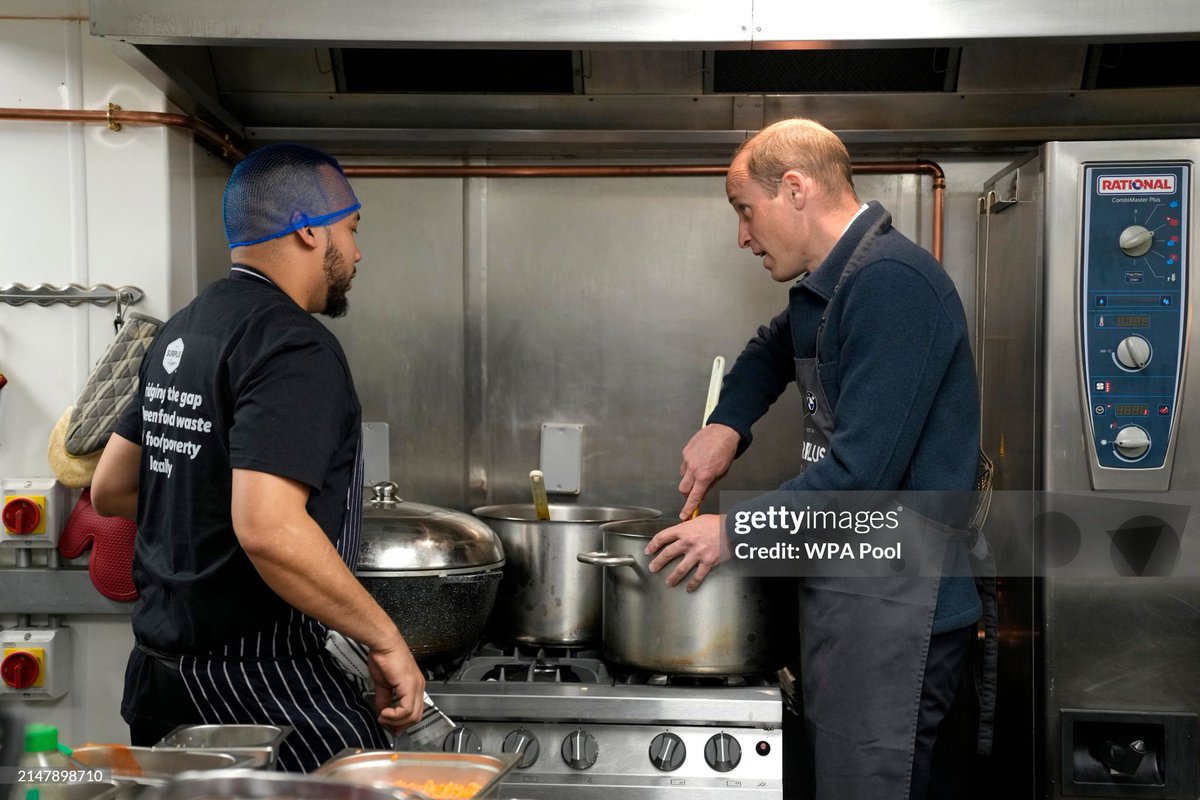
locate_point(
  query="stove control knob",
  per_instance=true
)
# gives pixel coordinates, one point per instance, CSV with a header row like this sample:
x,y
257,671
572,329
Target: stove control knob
x,y
524,743
667,752
722,752
580,750
462,740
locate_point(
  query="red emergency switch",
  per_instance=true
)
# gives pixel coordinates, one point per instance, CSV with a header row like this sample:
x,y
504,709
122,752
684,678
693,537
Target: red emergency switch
x,y
19,670
21,516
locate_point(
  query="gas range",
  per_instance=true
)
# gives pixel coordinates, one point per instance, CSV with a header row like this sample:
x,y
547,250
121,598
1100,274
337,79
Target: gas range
x,y
589,729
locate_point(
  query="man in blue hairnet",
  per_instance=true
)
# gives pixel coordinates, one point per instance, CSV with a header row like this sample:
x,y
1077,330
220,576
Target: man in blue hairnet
x,y
241,462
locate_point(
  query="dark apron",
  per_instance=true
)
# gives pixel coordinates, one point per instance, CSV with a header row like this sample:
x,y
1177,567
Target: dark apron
x,y
864,640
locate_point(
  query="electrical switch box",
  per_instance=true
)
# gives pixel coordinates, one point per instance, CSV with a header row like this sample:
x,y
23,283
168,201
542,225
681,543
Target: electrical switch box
x,y
35,663
33,512
562,457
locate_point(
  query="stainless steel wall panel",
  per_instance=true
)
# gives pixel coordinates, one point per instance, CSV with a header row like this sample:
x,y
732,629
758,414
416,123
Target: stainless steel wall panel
x,y
486,307
612,320
404,333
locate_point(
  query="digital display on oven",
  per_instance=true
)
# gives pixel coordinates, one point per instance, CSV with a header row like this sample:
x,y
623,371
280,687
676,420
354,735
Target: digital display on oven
x,y
1133,320
1132,409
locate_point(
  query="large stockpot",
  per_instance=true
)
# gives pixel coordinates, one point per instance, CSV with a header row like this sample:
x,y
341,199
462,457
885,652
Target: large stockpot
x,y
433,570
547,597
731,625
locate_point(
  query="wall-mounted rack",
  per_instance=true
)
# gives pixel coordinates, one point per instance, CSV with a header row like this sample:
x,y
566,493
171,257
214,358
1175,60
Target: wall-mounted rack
x,y
100,294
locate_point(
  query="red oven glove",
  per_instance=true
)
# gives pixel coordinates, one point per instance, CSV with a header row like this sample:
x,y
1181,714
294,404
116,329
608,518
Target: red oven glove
x,y
111,540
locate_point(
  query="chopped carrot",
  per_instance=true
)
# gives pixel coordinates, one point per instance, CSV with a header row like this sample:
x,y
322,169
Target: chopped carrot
x,y
450,790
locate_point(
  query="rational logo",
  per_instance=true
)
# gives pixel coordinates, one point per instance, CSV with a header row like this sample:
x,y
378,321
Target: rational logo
x,y
1136,184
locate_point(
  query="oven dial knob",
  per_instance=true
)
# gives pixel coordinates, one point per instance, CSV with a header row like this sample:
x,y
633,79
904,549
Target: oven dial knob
x,y
579,750
462,740
1132,442
1136,241
667,752
1133,352
525,744
722,752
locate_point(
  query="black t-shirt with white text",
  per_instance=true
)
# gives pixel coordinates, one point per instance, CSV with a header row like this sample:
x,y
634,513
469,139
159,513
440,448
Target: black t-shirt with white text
x,y
241,378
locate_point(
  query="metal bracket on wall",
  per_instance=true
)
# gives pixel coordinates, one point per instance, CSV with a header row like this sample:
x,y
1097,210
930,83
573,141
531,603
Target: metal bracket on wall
x,y
54,591
100,294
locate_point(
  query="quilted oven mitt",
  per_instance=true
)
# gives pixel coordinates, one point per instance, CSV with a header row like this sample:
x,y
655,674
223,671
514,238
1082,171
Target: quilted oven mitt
x,y
111,386
111,539
74,472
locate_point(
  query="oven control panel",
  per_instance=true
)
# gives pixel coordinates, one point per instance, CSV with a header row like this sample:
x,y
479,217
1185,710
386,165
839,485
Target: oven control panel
x,y
591,760
1133,280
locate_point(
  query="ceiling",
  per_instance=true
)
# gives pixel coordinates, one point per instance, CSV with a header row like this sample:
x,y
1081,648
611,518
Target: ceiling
x,y
685,78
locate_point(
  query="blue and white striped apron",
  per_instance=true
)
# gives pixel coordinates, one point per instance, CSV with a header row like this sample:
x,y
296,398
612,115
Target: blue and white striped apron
x,y
285,676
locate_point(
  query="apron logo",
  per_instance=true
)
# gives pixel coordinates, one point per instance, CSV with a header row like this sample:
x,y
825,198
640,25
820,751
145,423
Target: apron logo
x,y
812,453
173,356
810,400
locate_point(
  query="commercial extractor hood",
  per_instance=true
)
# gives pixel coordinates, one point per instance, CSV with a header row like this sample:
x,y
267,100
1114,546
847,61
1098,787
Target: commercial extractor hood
x,y
679,77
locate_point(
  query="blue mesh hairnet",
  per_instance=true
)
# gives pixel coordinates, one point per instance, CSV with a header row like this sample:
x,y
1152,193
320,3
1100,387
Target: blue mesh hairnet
x,y
281,188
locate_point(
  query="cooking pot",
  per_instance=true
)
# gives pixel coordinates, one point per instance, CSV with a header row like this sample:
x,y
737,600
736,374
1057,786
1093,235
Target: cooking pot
x,y
433,570
731,625
547,597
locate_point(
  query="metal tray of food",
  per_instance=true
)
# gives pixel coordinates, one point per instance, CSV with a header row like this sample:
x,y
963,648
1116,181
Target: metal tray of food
x,y
81,790
240,784
148,766
259,742
435,775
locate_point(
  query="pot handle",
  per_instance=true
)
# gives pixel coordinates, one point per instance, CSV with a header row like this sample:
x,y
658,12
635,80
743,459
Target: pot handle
x,y
605,560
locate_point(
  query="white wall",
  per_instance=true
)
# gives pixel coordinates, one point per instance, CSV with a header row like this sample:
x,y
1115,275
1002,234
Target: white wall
x,y
82,204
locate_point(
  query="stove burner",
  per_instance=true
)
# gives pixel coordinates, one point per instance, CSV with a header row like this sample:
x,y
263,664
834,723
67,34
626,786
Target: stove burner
x,y
639,678
533,665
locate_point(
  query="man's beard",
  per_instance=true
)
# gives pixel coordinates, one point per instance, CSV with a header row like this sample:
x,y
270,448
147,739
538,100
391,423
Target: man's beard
x,y
337,286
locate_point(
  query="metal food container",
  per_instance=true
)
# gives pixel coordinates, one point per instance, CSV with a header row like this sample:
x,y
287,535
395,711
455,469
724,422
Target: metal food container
x,y
258,742
385,767
84,790
146,766
252,785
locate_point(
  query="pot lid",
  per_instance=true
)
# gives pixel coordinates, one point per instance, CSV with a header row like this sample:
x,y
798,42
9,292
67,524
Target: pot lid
x,y
399,535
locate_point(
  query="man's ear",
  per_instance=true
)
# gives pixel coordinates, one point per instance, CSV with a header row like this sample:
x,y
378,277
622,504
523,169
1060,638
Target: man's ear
x,y
795,186
307,236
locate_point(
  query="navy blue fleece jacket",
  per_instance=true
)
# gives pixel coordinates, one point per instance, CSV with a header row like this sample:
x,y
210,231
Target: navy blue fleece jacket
x,y
896,367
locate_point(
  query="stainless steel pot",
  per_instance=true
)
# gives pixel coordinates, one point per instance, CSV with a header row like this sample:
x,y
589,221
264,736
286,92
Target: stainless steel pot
x,y
731,625
433,570
547,597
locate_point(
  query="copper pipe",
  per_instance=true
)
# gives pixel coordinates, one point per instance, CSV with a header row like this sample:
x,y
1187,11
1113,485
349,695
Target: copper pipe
x,y
222,142
225,143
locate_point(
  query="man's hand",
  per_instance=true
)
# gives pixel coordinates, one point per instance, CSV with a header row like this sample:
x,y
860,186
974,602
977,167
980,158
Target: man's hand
x,y
395,673
706,458
698,541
